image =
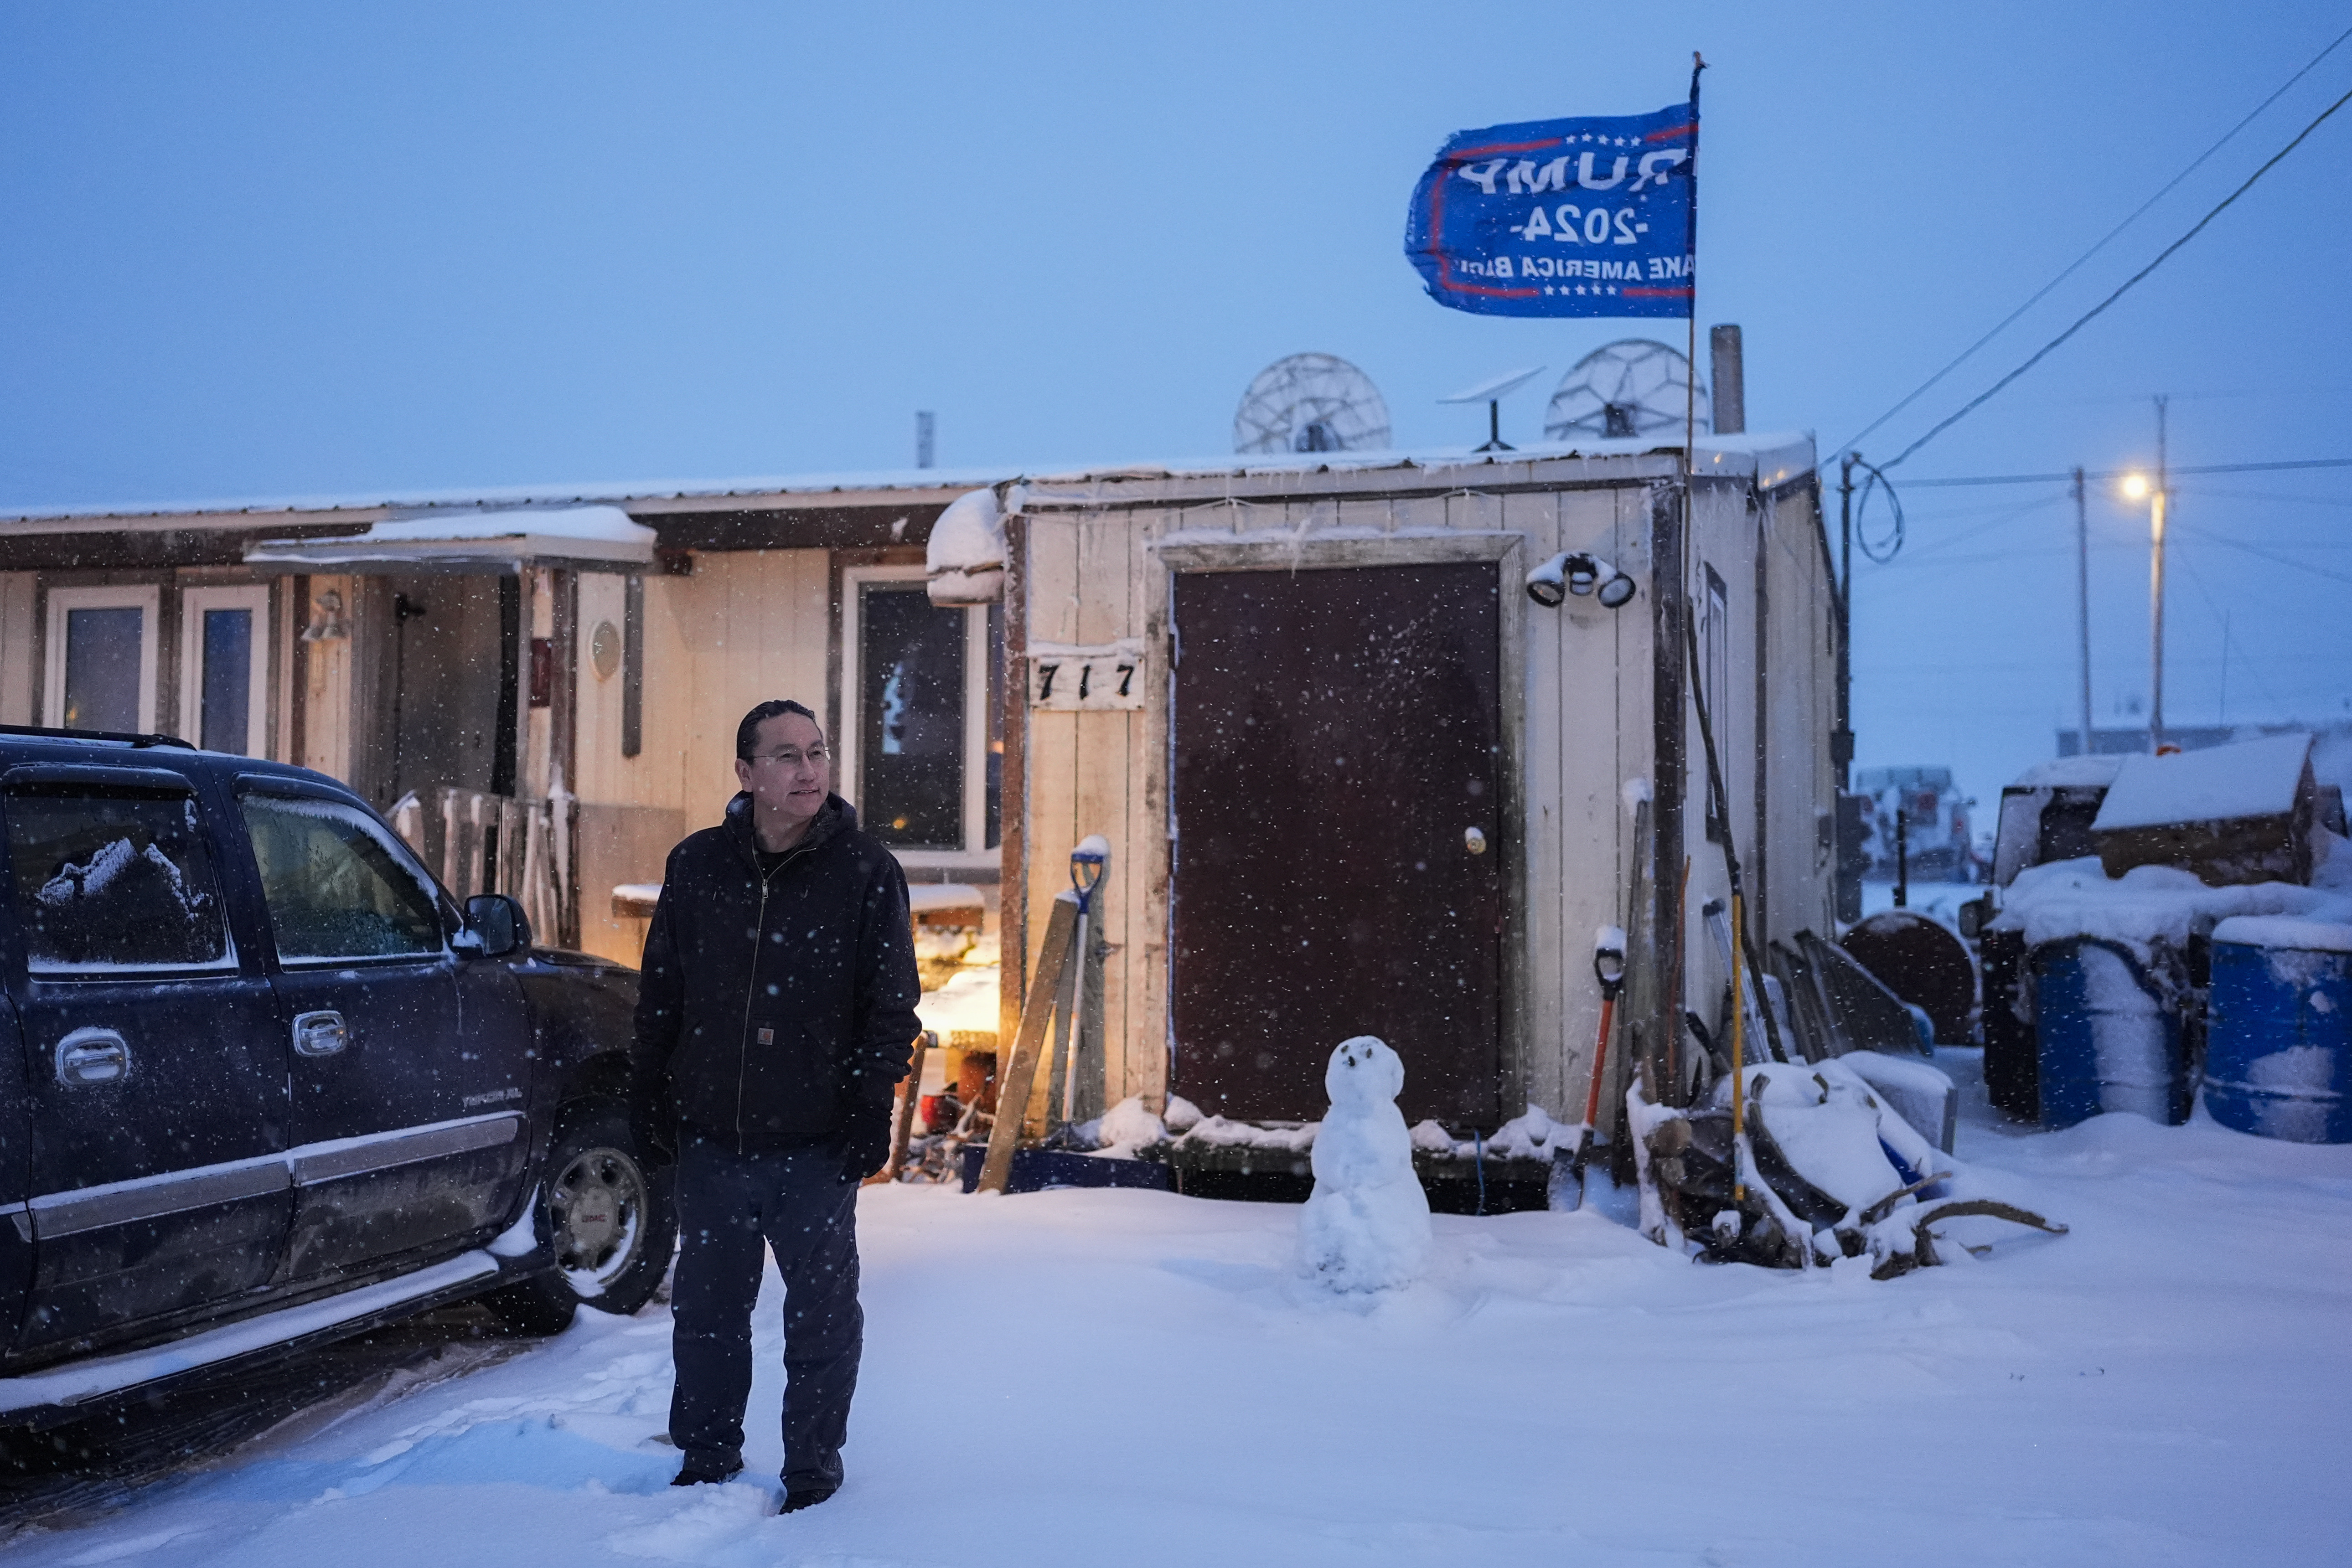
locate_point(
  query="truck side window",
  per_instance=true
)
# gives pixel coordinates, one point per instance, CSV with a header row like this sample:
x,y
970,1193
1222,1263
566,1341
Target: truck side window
x,y
336,886
107,883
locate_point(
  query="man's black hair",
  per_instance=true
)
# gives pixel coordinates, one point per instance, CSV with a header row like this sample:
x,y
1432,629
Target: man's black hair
x,y
746,734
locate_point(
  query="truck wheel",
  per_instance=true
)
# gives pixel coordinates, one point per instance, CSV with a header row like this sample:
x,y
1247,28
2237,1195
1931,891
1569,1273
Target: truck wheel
x,y
610,1219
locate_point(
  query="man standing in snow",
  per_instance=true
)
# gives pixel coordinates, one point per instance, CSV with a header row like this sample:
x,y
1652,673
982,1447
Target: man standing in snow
x,y
774,1019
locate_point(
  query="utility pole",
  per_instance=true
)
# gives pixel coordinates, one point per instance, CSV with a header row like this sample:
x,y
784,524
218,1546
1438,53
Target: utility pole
x,y
2156,591
2083,600
1841,739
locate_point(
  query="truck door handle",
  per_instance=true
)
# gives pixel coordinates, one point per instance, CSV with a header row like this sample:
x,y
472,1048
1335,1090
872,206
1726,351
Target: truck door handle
x,y
320,1034
93,1055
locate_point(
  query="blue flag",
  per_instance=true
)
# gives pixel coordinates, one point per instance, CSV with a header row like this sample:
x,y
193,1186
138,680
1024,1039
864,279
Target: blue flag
x,y
1561,217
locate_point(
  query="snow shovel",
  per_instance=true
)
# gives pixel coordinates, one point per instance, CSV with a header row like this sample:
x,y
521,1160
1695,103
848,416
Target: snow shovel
x,y
1609,968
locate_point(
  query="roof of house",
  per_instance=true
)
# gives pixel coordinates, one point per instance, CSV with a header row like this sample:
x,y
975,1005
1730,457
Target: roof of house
x,y
1768,459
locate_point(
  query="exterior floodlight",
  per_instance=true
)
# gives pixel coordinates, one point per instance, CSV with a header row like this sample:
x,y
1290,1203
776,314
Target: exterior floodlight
x,y
1577,572
2136,485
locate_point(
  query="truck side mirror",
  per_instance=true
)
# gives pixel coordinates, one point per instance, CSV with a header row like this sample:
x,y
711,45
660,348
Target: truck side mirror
x,y
496,926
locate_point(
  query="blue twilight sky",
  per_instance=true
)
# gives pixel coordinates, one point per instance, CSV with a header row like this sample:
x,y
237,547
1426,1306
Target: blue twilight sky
x,y
257,250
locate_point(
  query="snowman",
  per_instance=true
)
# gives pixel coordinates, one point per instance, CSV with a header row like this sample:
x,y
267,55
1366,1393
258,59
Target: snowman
x,y
1366,1226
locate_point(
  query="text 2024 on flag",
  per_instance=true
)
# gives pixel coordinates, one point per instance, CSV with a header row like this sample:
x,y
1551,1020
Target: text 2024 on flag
x,y
1560,217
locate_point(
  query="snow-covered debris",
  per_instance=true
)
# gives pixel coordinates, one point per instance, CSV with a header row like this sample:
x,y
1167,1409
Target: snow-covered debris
x,y
1531,1136
1366,1226
2147,905
1289,1137
1918,1092
1181,1115
1823,1169
1431,1138
1123,1129
2222,783
1829,1135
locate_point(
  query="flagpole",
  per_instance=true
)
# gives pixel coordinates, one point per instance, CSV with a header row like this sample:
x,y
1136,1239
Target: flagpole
x,y
1690,517
1690,320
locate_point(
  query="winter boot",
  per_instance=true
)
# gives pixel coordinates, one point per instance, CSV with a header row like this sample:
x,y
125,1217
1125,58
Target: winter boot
x,y
702,1472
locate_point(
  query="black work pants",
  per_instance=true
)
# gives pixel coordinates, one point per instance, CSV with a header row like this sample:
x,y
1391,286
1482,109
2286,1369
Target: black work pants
x,y
799,1204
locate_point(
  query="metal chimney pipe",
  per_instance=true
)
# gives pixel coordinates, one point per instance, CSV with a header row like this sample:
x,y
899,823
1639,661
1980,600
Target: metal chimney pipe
x,y
1729,379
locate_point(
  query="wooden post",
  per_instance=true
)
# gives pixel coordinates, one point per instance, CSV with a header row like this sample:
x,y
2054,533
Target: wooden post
x,y
1662,1064
1021,1073
902,1119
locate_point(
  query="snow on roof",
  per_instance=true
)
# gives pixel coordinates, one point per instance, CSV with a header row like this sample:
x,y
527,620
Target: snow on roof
x,y
562,533
2251,779
635,492
2069,773
1769,459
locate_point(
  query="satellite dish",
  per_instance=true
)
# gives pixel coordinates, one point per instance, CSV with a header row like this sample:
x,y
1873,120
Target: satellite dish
x,y
1492,391
1633,387
1311,403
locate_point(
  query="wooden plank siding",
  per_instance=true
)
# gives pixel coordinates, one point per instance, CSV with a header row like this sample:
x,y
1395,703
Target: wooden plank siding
x,y
1098,561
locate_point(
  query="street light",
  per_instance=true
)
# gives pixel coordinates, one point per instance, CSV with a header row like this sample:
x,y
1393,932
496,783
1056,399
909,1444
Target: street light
x,y
2137,486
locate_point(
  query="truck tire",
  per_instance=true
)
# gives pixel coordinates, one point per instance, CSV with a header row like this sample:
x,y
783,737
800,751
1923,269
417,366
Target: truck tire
x,y
611,1220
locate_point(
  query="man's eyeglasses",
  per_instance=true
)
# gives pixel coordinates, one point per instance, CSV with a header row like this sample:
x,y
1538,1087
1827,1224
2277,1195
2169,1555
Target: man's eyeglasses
x,y
793,757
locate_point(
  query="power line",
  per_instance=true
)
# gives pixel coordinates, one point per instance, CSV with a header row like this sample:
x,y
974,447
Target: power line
x,y
2273,556
2125,287
2071,266
2068,477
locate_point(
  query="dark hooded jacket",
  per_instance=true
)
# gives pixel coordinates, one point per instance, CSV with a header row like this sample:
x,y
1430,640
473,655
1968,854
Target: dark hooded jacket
x,y
773,1008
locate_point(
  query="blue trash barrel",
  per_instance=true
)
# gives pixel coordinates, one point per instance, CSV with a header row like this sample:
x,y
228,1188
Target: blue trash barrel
x,y
2278,1062
2107,1042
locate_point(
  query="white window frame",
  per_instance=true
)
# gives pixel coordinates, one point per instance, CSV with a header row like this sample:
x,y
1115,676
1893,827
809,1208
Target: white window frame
x,y
194,602
145,596
975,855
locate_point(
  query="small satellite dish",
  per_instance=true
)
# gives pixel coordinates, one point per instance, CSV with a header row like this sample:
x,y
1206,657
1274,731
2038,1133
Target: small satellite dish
x,y
1497,389
1311,403
1634,387
1492,391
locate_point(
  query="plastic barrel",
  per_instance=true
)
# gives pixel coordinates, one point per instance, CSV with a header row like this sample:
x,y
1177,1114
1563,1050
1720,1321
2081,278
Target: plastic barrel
x,y
2012,1079
2107,1041
2279,1058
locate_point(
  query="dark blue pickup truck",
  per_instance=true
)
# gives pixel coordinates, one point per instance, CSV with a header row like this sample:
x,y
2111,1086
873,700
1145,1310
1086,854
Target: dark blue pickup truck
x,y
263,1082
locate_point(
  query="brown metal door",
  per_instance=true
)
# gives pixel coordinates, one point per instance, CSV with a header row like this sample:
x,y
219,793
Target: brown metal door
x,y
1336,737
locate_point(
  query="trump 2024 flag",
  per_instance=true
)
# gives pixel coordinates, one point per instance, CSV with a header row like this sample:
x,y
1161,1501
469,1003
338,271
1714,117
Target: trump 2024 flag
x,y
1561,217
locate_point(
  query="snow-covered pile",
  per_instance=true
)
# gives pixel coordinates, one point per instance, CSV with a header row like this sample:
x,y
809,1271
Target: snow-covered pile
x,y
1285,1137
1122,1130
2152,905
1532,1136
1816,1166
1366,1226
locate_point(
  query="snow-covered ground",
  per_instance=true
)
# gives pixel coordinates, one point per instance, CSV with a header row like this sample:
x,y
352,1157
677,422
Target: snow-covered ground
x,y
1134,1378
